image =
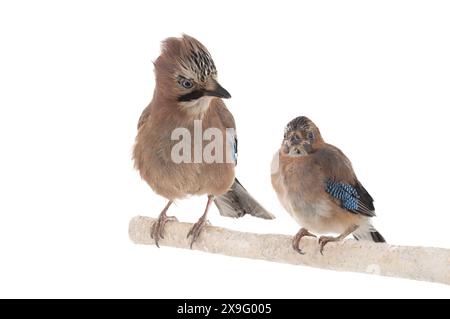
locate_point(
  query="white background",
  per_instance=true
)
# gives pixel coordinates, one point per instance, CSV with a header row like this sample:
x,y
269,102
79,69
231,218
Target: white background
x,y
75,76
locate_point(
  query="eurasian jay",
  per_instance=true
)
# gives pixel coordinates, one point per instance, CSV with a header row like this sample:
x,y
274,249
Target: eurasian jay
x,y
187,102
316,184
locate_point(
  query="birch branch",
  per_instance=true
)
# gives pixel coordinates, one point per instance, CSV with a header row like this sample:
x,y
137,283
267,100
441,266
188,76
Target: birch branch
x,y
419,263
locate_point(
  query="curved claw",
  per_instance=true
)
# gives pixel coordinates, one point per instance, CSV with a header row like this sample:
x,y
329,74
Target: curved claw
x,y
296,248
196,230
163,224
296,240
323,240
157,231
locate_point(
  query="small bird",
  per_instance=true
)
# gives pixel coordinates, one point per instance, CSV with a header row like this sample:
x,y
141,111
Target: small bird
x,y
187,93
316,184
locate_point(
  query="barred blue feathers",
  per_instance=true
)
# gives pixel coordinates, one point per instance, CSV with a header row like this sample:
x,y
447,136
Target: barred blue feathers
x,y
354,198
346,193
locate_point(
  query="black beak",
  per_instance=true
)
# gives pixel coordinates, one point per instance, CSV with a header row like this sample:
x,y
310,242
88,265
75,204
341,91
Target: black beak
x,y
218,91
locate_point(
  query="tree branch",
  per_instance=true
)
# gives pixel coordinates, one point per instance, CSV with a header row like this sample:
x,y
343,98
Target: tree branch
x,y
419,263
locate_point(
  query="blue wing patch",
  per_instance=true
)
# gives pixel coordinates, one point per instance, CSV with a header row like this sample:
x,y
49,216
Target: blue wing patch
x,y
232,144
346,193
235,149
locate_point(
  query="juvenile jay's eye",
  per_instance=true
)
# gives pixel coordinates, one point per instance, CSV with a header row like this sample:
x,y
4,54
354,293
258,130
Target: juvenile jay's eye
x,y
310,135
187,84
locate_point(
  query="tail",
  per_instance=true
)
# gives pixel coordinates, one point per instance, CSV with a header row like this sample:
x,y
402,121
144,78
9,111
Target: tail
x,y
237,202
368,234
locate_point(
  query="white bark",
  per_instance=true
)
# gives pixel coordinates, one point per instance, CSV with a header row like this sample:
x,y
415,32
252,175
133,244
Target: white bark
x,y
419,263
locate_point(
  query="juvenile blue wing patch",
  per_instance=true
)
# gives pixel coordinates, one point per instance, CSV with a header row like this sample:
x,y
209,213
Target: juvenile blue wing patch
x,y
346,193
354,198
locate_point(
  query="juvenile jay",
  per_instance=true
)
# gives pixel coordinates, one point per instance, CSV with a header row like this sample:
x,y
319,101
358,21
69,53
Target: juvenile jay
x,y
316,184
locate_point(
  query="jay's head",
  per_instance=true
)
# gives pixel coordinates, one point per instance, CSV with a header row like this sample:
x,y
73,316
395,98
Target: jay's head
x,y
185,72
301,137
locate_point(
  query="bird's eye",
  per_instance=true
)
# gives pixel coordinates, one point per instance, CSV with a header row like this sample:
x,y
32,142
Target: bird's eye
x,y
187,84
310,136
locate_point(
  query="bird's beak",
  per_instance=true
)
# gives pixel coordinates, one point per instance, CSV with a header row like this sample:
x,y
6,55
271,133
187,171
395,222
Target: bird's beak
x,y
217,90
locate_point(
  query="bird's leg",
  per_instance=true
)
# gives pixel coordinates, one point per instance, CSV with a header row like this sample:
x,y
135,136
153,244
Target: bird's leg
x,y
323,240
198,226
303,232
157,231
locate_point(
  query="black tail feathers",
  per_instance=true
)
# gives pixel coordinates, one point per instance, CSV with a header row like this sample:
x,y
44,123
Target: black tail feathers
x,y
371,235
377,237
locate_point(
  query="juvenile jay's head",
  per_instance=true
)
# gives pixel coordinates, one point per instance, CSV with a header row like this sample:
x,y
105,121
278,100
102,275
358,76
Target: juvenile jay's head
x,y
186,74
301,137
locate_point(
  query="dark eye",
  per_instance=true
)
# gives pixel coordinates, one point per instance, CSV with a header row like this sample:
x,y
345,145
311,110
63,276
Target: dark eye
x,y
187,84
310,135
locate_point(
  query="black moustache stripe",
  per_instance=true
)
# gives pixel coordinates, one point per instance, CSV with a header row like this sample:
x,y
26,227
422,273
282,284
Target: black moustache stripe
x,y
191,96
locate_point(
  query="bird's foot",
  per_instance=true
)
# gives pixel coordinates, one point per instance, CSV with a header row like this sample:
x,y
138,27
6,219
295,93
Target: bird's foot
x,y
196,229
157,231
296,240
323,240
